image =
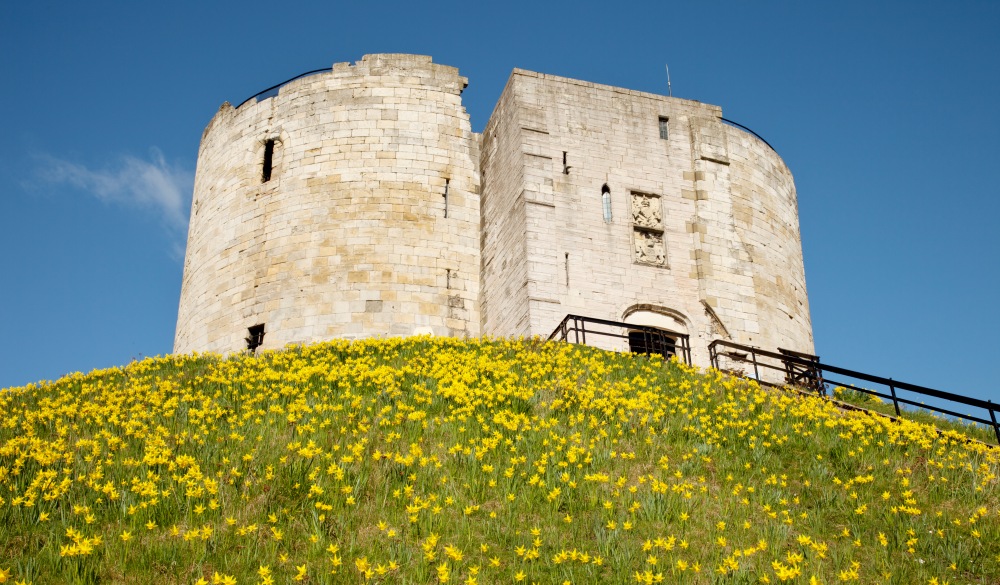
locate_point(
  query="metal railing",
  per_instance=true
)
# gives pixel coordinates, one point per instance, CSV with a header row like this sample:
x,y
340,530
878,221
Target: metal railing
x,y
742,127
805,370
639,338
287,81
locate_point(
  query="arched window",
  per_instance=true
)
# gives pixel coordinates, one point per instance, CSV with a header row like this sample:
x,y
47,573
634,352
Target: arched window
x,y
606,202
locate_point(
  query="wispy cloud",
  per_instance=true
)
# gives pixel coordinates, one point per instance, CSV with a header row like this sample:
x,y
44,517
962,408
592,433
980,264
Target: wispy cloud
x,y
153,186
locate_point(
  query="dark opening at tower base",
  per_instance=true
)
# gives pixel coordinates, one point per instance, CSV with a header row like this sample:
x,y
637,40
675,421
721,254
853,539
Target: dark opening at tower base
x,y
650,343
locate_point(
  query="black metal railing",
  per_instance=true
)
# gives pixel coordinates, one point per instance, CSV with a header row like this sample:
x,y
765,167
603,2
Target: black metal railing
x,y
640,338
742,127
285,82
805,370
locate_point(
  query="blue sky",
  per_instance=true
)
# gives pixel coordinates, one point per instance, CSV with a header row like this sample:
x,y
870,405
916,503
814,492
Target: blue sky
x,y
885,113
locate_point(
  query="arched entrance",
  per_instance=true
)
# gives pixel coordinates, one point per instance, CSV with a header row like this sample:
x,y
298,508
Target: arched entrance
x,y
658,330
648,342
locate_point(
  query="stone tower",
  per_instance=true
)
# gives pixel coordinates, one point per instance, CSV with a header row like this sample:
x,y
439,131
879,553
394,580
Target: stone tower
x,y
345,206
629,206
358,202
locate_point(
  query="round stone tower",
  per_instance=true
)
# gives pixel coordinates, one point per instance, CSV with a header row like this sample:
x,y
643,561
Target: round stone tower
x,y
347,205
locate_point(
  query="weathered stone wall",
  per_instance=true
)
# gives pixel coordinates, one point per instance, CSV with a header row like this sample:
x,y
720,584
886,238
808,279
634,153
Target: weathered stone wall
x,y
505,266
703,224
349,236
765,209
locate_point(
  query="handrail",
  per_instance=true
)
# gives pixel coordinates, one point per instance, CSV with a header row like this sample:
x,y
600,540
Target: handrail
x,y
805,370
577,326
741,126
287,81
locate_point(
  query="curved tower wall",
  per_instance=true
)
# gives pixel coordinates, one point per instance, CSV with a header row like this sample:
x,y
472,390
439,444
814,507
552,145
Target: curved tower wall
x,y
766,217
348,237
702,236
596,200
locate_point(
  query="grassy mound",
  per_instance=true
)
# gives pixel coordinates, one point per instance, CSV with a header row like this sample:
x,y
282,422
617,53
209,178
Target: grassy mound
x,y
436,460
974,431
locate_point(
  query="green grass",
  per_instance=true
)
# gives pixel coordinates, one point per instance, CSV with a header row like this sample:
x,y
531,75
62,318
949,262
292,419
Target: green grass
x,y
972,430
420,460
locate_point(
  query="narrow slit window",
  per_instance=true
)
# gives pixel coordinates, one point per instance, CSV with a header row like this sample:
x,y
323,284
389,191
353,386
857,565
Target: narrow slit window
x,y
664,128
606,203
566,167
447,182
255,338
268,160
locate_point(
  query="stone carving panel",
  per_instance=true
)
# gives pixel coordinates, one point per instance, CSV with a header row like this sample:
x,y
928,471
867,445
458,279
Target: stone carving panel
x,y
647,229
646,211
649,248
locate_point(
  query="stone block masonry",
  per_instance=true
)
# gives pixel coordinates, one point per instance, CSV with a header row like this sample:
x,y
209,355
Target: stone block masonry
x,y
702,237
383,214
349,235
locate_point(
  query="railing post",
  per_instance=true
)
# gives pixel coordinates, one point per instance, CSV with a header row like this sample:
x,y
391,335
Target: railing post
x,y
818,376
753,356
576,330
892,389
713,356
583,331
993,417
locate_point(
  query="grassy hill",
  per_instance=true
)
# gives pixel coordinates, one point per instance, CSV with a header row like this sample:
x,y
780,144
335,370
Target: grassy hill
x,y
436,460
